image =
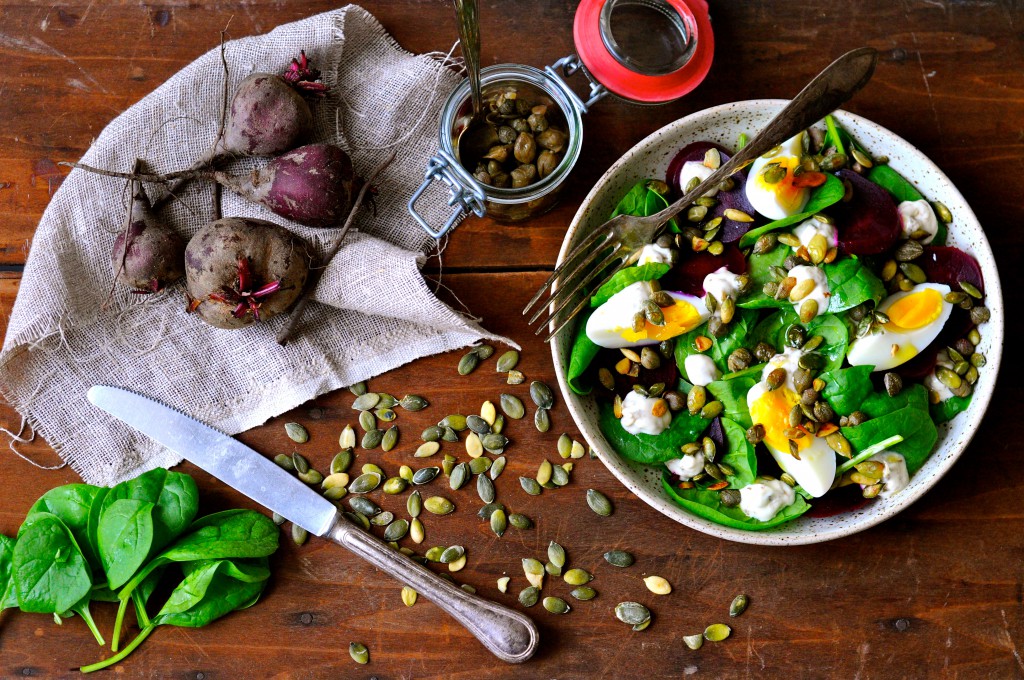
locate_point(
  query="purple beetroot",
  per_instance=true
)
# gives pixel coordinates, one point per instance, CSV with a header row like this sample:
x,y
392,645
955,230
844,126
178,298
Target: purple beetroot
x,y
735,198
687,276
868,224
154,256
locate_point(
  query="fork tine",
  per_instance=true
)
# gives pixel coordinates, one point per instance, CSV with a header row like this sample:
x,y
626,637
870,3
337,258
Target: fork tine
x,y
567,278
563,301
580,306
604,230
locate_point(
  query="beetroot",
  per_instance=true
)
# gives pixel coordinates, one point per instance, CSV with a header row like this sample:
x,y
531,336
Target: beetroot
x,y
731,230
154,257
267,116
868,224
314,185
948,265
687,276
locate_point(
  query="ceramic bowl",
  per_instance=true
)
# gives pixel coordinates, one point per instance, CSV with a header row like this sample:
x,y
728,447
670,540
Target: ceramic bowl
x,y
723,124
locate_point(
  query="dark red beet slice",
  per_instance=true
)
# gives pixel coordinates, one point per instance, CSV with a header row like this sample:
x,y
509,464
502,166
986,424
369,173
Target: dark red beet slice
x,y
731,230
717,434
868,224
688,274
948,265
667,373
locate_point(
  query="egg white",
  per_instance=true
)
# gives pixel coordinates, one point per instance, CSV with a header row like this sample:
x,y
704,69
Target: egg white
x,y
889,347
611,324
764,197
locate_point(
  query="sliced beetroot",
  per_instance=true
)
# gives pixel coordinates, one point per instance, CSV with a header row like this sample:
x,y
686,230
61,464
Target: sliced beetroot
x,y
949,265
717,434
687,276
736,199
868,224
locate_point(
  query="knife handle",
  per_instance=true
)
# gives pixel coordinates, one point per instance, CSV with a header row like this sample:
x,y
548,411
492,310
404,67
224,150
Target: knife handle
x,y
509,635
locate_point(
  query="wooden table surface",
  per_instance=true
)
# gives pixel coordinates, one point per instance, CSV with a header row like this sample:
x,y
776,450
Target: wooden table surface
x,y
935,592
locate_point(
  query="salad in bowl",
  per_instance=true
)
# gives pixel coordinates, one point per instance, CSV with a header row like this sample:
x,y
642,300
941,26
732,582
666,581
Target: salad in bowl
x,y
793,344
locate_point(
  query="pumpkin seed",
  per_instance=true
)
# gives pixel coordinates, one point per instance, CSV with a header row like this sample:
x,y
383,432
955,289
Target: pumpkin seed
x,y
458,564
599,503
497,467
529,596
542,420
296,432
385,414
484,351
365,483
425,475
299,463
383,519
387,401
395,486
632,613
696,399
913,272
432,433
370,467
553,569
408,596
512,406
737,215
499,424
278,519
544,472
521,522
364,506
459,476
487,510
515,377
337,479
311,477
507,361
559,475
485,488
413,402
694,642
542,395
359,389
583,593
427,449
532,566
406,473
577,577
285,461
448,464
494,443
450,435
299,535
451,554
503,584
942,211
658,585
564,445
712,410
366,402
739,605
499,522
556,554
372,439
488,413
434,554
577,450
474,447
480,465
455,421
359,653
438,505
530,486
556,605
414,505
390,438
468,363
478,425
357,518
717,632
618,558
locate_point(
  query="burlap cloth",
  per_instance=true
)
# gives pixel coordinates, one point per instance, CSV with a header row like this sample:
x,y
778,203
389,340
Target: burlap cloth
x,y
373,310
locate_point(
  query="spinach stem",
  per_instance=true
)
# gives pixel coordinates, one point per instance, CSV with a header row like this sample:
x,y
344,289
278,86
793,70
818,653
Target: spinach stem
x,y
859,458
86,615
833,134
115,637
140,610
120,656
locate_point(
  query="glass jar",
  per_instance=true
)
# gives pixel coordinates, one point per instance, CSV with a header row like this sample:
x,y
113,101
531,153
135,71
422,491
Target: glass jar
x,y
642,51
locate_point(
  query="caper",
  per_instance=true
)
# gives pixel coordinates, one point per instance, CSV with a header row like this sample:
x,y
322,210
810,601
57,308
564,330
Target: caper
x,y
547,161
525,148
764,352
552,139
538,122
740,359
498,153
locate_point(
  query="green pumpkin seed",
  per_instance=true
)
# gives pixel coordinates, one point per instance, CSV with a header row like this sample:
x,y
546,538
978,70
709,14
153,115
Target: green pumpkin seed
x,y
577,450
285,461
717,632
370,467
971,289
460,474
425,475
521,522
632,613
311,477
359,389
359,653
507,361
383,519
299,463
408,596
559,475
529,596
542,420
484,352
499,522
372,439
556,605
599,503
278,519
452,554
427,449
455,421
299,535
395,486
414,505
366,402
583,593
438,505
618,558
694,642
405,472
542,395
416,532
413,402
390,438
478,424
296,432
512,406
532,567
335,493
530,486
544,472
432,433
386,400
364,506
494,443
503,584
480,465
712,410
658,585
448,464
497,466
385,414
450,435
468,588
564,445
357,518
474,447
515,378
365,483
487,510
556,554
485,488
468,363
434,554
739,605
577,577
553,569
367,421
499,424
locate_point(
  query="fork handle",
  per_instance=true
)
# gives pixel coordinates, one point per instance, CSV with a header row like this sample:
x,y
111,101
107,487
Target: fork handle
x,y
828,91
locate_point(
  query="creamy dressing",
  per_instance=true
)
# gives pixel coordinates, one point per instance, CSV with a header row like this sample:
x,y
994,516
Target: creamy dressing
x,y
895,476
918,215
638,415
722,283
789,359
696,169
762,500
687,467
810,228
820,293
701,369
652,252
937,386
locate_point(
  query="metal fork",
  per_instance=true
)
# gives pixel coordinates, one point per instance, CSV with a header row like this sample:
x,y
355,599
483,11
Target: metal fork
x,y
622,237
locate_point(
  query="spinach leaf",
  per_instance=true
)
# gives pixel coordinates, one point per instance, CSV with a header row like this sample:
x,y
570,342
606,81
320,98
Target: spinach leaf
x,y
850,283
737,336
732,392
893,182
93,525
706,504
650,449
821,197
880,403
945,410
211,589
8,594
759,271
50,574
174,494
627,277
741,456
643,200
82,609
847,388
71,504
125,538
912,422
837,339
583,352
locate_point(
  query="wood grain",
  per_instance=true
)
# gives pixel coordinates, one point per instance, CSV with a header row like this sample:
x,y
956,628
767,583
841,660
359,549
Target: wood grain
x,y
934,593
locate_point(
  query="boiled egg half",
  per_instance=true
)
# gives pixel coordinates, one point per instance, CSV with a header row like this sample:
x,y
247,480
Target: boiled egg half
x,y
770,186
915,318
611,324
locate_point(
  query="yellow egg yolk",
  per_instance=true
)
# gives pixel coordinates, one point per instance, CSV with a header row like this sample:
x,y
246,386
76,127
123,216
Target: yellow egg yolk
x,y
790,198
682,317
914,311
772,409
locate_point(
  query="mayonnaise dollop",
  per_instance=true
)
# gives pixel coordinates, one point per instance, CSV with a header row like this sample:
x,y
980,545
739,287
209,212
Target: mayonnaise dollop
x,y
762,500
652,252
810,228
918,215
638,414
696,169
687,467
722,283
701,369
895,476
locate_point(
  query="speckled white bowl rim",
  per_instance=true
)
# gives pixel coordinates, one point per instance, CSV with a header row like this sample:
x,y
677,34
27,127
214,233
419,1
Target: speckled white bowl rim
x,y
722,124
